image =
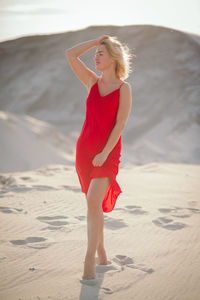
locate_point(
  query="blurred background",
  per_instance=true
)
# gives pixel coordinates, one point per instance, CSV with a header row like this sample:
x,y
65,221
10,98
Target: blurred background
x,y
27,17
42,102
152,234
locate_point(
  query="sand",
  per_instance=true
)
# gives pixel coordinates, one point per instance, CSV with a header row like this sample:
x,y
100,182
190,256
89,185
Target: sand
x,y
152,236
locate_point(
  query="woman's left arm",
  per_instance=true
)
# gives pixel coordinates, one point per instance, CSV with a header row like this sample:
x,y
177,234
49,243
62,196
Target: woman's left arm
x,y
125,103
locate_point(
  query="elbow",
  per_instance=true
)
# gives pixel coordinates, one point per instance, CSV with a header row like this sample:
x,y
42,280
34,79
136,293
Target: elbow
x,y
68,52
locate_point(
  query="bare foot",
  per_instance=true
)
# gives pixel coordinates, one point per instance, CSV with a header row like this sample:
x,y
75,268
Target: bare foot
x,y
89,268
102,258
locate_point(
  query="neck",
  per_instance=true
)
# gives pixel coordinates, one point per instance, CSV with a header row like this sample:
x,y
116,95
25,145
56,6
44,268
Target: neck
x,y
108,76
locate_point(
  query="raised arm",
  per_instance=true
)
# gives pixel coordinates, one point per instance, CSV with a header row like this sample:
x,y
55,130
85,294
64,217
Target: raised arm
x,y
86,75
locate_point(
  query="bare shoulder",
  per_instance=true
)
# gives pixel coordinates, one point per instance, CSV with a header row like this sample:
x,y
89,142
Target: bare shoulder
x,y
125,103
126,86
125,89
125,97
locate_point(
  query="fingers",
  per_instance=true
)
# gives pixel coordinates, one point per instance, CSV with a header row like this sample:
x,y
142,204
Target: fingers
x,y
96,164
102,38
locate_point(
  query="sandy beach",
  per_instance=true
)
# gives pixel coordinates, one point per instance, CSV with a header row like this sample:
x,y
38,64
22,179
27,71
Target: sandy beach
x,y
152,236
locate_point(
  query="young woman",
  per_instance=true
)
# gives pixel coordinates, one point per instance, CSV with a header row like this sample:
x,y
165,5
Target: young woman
x,y
98,148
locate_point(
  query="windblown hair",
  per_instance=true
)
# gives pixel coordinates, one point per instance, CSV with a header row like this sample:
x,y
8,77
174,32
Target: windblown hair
x,y
121,54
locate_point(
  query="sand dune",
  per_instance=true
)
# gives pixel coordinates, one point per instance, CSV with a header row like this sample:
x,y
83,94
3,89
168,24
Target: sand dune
x,y
152,235
37,80
27,143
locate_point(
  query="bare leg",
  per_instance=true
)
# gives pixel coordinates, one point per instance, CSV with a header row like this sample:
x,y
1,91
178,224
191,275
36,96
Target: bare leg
x,y
95,196
102,258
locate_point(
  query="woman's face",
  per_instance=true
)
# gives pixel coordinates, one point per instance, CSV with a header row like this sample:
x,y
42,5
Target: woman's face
x,y
102,58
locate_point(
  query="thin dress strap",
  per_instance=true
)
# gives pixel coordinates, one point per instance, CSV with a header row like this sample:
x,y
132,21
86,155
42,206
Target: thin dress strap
x,y
121,84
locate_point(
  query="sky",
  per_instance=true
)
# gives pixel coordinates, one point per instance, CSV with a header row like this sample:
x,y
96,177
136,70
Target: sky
x,y
30,17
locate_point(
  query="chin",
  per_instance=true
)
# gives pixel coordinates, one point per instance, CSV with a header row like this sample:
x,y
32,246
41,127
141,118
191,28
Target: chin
x,y
98,67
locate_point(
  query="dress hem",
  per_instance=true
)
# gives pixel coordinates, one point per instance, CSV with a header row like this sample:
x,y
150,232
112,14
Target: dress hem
x,y
112,193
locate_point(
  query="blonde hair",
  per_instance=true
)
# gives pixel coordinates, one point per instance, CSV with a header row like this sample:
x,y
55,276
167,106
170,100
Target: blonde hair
x,y
121,54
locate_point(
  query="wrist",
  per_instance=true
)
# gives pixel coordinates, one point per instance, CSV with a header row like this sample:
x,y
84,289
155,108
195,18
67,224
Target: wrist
x,y
96,42
105,152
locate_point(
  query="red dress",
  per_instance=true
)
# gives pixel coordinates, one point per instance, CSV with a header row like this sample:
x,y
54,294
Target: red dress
x,y
100,118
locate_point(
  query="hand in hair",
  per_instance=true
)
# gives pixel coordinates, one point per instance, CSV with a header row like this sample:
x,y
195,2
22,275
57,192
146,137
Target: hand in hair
x,y
103,37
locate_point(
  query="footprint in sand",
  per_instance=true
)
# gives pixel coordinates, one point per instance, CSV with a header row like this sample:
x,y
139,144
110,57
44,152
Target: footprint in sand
x,y
10,210
117,264
81,218
177,212
194,210
168,223
125,261
31,240
55,222
180,212
136,210
107,290
133,209
26,178
71,188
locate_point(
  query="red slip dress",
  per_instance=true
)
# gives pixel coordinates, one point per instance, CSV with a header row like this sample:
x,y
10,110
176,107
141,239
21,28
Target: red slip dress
x,y
100,119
